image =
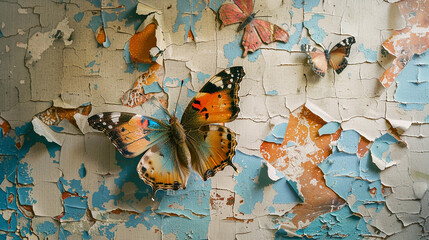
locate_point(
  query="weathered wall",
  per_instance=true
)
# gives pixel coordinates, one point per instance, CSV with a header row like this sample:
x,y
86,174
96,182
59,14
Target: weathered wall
x,y
339,156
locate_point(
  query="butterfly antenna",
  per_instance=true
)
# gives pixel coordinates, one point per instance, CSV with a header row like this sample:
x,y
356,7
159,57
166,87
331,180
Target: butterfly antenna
x,y
157,105
178,97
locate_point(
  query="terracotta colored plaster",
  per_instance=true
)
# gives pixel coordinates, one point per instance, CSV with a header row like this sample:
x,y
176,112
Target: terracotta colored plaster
x,y
413,39
299,163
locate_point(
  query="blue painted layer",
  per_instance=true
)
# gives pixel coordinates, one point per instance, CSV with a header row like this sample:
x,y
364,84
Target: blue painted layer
x,y
129,14
106,230
412,106
341,185
293,38
152,88
410,88
368,170
64,234
101,197
127,175
286,192
184,7
74,208
381,145
277,134
25,197
90,64
232,50
202,77
253,56
86,236
191,93
340,163
185,228
95,23
370,55
349,141
8,225
73,186
246,186
193,201
47,228
316,33
215,4
78,16
24,224
1,34
147,218
3,200
82,171
307,5
8,166
329,128
96,3
272,93
427,119
341,224
56,128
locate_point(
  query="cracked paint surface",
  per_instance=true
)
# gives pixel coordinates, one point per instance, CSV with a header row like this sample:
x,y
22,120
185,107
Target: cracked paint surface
x,y
336,157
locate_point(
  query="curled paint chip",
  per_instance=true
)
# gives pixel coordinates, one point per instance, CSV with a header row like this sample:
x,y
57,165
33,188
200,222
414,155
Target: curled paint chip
x,y
148,85
54,115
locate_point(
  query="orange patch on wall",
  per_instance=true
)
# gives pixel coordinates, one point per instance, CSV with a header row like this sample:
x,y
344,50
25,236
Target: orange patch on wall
x,y
100,35
136,96
413,39
299,163
141,43
54,115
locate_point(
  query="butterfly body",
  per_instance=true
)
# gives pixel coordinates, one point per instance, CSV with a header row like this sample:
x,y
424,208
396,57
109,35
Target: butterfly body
x,y
170,149
256,31
246,22
178,135
336,58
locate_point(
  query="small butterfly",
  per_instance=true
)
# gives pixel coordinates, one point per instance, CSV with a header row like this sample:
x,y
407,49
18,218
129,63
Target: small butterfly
x,y
336,57
256,31
171,149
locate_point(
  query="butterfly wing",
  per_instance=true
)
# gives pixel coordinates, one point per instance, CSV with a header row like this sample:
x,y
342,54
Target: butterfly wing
x,y
270,32
316,58
130,133
160,169
212,148
251,40
216,102
338,54
230,13
245,5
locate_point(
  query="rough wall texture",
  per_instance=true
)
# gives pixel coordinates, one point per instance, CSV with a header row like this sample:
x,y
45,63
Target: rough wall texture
x,y
339,156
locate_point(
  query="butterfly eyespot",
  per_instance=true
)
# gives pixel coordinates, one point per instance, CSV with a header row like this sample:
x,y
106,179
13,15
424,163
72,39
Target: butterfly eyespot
x,y
122,129
150,162
104,123
219,96
110,127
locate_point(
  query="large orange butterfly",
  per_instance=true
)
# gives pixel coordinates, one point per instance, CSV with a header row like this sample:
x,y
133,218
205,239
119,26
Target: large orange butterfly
x,y
171,149
336,57
256,31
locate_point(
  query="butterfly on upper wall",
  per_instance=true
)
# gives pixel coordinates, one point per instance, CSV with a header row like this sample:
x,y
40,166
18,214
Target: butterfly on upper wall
x,y
170,149
336,57
256,31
